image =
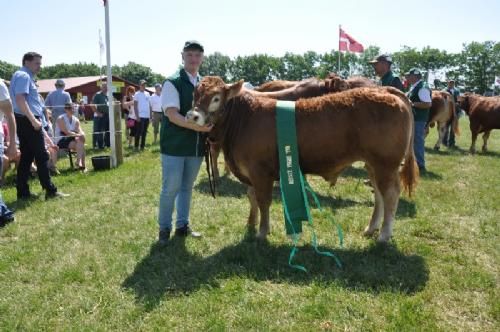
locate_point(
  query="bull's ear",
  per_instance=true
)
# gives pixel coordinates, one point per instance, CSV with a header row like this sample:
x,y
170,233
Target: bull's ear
x,y
234,89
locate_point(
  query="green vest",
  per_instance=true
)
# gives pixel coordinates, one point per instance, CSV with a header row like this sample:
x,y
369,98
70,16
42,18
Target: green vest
x,y
420,114
175,140
390,80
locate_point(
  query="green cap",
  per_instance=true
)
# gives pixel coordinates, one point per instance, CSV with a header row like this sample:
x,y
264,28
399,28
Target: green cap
x,y
414,71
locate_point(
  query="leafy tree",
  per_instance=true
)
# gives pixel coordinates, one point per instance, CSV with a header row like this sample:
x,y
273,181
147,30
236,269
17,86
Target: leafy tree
x,y
216,64
6,70
479,64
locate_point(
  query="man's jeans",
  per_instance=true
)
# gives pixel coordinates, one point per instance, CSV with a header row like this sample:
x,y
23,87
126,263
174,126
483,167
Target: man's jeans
x,y
419,143
178,176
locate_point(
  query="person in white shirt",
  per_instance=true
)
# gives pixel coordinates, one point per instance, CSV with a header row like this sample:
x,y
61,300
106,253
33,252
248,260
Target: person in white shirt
x,y
156,112
6,215
421,101
142,110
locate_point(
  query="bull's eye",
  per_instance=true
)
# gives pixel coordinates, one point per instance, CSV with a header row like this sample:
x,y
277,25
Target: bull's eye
x,y
216,99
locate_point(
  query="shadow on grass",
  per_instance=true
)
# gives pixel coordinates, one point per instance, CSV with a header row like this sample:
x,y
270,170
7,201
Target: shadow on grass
x,y
489,154
406,208
173,271
227,186
355,172
430,175
447,151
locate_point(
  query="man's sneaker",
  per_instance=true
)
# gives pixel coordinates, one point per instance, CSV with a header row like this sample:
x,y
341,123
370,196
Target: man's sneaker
x,y
185,231
56,194
163,236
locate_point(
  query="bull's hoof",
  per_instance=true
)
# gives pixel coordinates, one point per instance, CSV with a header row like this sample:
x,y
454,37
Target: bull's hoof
x,y
261,236
472,151
383,238
369,232
436,148
484,150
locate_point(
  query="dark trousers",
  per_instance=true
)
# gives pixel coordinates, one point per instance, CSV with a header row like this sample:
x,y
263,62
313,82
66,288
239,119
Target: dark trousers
x,y
449,136
32,146
100,137
141,130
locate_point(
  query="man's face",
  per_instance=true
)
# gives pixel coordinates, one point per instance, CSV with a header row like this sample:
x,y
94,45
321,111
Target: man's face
x,y
412,79
158,90
104,88
381,68
143,87
451,85
192,59
34,65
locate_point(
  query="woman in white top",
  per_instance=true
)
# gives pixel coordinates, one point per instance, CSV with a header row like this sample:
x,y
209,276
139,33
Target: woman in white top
x,y
69,135
128,110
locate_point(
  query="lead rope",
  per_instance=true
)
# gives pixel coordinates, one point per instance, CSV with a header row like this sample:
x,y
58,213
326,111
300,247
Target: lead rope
x,y
210,169
295,236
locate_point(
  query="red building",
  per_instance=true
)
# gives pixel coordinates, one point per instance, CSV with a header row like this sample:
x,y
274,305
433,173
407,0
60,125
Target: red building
x,y
84,88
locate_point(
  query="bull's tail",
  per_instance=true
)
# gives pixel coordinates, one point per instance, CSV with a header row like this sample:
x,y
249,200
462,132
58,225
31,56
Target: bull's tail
x,y
409,172
454,119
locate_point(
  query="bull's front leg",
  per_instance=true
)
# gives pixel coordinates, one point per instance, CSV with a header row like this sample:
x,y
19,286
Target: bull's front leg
x,y
254,208
263,194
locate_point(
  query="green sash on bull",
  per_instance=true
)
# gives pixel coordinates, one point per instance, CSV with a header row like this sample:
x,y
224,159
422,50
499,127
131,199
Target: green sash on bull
x,y
292,182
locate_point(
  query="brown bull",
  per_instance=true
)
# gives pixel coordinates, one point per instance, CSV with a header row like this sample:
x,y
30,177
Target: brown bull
x,y
484,116
374,125
442,112
293,90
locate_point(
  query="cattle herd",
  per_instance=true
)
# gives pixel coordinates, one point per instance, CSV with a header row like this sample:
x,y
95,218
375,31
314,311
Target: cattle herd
x,y
339,122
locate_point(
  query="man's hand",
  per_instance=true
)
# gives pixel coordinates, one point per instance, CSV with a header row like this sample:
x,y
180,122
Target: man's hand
x,y
204,129
11,152
36,124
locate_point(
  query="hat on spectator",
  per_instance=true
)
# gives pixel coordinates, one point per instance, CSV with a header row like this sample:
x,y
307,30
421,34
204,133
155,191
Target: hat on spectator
x,y
413,71
193,45
382,58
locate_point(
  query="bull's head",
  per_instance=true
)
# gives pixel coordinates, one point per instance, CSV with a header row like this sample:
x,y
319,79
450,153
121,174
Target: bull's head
x,y
209,98
335,83
463,102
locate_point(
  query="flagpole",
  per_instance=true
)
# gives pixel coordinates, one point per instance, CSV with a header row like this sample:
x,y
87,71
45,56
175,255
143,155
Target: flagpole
x,y
109,81
338,68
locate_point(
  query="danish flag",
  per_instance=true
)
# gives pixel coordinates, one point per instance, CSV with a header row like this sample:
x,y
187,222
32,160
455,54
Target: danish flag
x,y
347,43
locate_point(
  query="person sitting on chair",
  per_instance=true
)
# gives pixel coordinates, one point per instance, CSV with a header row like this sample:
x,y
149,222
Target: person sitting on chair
x,y
70,136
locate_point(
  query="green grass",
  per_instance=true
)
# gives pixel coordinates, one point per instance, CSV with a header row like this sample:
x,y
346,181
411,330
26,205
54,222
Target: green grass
x,y
90,262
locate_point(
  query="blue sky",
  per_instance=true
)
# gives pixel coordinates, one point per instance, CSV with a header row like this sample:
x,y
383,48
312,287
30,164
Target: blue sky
x,y
152,32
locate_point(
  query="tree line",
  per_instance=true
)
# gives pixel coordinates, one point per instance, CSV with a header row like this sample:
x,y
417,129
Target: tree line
x,y
474,68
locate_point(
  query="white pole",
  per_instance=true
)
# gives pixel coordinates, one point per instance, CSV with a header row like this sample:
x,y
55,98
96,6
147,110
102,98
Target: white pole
x,y
338,68
110,89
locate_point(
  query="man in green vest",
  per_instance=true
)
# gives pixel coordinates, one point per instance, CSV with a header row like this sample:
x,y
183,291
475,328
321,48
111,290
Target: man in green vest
x,y
181,144
421,101
382,66
449,136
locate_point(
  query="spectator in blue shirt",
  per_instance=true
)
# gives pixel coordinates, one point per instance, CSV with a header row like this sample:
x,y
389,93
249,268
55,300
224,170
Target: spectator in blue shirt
x,y
28,110
56,100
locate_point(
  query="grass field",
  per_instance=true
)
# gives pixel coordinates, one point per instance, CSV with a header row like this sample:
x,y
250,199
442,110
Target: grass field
x,y
90,262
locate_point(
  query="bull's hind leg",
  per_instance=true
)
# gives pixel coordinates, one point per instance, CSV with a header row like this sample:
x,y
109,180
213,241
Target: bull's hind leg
x,y
441,127
378,210
390,188
486,135
254,208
